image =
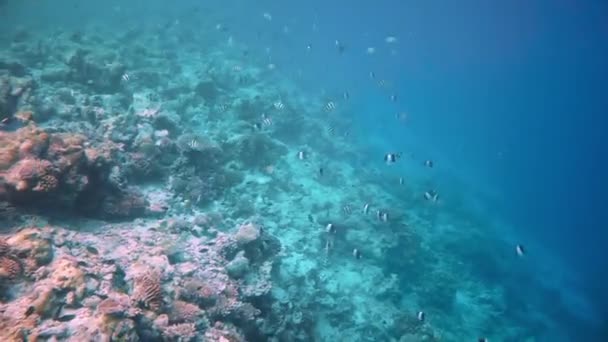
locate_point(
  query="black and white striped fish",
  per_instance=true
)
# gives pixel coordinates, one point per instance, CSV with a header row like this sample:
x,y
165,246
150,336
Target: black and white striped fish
x,y
357,253
278,105
340,47
125,77
366,209
429,163
193,144
266,120
421,316
431,195
347,210
221,108
382,215
391,158
330,228
520,250
330,106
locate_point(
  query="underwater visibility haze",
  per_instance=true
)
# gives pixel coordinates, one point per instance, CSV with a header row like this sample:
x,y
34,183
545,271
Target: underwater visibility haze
x,y
303,171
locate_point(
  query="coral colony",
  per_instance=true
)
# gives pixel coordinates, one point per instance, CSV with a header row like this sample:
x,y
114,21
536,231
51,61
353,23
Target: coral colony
x,y
142,199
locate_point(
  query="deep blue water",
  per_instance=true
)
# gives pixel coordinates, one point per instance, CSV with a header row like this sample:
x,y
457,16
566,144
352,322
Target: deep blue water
x,y
508,98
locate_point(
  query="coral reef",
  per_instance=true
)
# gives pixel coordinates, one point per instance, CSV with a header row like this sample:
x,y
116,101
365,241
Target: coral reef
x,y
151,192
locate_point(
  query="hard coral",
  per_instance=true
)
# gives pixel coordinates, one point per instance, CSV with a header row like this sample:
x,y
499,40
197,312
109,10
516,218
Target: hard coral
x,y
10,269
33,248
247,233
5,248
148,291
26,142
180,332
184,312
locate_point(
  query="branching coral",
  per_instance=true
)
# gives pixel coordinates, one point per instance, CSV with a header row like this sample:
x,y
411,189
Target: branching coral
x,y
183,332
184,312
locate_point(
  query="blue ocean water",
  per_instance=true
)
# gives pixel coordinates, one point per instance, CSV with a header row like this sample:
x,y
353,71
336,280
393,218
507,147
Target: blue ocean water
x,y
507,99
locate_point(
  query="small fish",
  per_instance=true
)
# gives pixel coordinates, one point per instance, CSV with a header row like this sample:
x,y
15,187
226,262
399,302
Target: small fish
x,y
381,83
429,163
370,50
391,158
330,228
520,250
382,216
372,75
257,126
330,106
310,218
331,130
347,210
390,39
366,209
321,171
267,16
222,108
339,47
421,316
125,77
5,122
266,120
345,95
346,134
393,98
482,339
400,180
357,253
401,116
193,144
431,195
309,47
302,155
237,68
278,105
271,66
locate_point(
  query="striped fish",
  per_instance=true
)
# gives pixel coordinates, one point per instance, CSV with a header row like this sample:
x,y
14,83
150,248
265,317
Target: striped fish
x,y
278,105
330,106
222,108
366,209
193,144
347,210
